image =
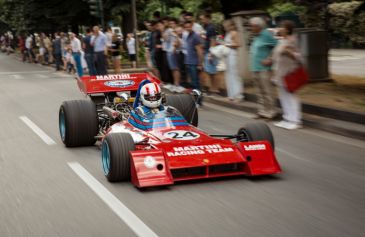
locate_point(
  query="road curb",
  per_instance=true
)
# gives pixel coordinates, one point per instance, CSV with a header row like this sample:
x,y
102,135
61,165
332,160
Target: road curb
x,y
340,127
348,116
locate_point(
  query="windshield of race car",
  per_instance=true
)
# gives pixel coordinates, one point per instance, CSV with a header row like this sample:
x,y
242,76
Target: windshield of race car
x,y
166,118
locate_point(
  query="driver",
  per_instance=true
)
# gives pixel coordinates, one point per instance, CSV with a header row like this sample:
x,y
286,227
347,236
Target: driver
x,y
151,100
151,112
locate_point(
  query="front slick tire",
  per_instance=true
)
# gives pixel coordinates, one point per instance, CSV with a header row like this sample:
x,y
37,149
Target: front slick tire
x,y
116,157
78,123
258,131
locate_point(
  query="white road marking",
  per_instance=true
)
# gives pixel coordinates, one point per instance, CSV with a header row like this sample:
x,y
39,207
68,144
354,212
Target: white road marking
x,y
16,76
41,76
122,211
37,130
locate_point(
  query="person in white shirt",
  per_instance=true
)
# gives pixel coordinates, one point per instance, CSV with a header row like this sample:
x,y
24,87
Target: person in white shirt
x,y
109,37
99,42
76,53
131,45
197,28
220,52
29,47
173,44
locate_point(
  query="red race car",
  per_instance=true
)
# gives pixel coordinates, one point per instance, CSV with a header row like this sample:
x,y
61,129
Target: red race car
x,y
162,148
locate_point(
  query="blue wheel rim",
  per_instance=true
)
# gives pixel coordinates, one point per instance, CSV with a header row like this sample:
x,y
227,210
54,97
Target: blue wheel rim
x,y
62,125
105,157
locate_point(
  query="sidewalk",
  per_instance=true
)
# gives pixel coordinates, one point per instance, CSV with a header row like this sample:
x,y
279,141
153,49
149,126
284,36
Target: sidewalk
x,y
357,53
342,93
347,62
344,123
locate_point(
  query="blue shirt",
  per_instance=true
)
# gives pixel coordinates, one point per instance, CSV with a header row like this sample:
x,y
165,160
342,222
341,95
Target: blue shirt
x,y
261,49
149,40
210,35
57,48
99,42
191,41
88,48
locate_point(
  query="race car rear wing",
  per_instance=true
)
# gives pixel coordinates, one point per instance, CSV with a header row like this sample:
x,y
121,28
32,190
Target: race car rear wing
x,y
129,80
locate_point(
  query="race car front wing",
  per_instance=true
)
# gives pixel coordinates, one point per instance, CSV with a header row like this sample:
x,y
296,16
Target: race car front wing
x,y
154,168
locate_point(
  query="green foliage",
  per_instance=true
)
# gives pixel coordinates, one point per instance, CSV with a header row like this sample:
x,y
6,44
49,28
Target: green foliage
x,y
345,9
12,13
149,9
174,7
191,5
45,15
280,8
347,22
315,14
217,18
175,12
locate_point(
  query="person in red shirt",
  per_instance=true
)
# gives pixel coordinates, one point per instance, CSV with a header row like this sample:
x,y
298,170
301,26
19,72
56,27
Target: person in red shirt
x,y
21,45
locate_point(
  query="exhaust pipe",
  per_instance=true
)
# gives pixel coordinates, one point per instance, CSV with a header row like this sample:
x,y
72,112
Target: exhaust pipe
x,y
113,114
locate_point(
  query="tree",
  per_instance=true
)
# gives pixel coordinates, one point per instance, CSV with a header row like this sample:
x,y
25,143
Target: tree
x,y
316,14
229,7
51,15
280,8
348,22
12,13
46,15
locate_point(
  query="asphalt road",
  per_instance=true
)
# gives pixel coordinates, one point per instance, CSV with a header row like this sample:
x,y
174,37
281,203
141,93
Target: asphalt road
x,y
321,191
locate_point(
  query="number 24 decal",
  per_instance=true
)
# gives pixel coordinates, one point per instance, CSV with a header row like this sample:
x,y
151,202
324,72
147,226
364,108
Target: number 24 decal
x,y
182,135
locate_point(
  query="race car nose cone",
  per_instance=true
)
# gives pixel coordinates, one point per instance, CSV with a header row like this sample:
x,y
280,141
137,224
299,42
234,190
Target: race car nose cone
x,y
149,162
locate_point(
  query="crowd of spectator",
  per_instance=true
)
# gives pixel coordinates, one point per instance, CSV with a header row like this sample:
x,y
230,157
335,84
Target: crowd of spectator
x,y
7,42
184,53
92,52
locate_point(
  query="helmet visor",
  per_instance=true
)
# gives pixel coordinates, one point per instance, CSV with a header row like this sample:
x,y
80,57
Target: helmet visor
x,y
153,98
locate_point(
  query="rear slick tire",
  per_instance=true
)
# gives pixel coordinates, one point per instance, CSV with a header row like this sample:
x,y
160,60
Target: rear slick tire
x,y
115,156
185,104
78,123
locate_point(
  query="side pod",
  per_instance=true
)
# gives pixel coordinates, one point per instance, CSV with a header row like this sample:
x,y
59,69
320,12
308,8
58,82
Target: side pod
x,y
260,158
149,168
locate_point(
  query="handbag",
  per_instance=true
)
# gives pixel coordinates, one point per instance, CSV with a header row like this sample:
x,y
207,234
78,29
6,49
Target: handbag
x,y
296,79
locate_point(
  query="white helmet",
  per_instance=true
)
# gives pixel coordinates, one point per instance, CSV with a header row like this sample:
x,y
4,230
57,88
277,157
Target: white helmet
x,y
151,95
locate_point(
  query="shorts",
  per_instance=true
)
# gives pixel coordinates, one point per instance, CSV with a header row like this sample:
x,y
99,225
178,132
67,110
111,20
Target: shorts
x,y
172,61
118,57
210,66
42,51
132,57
